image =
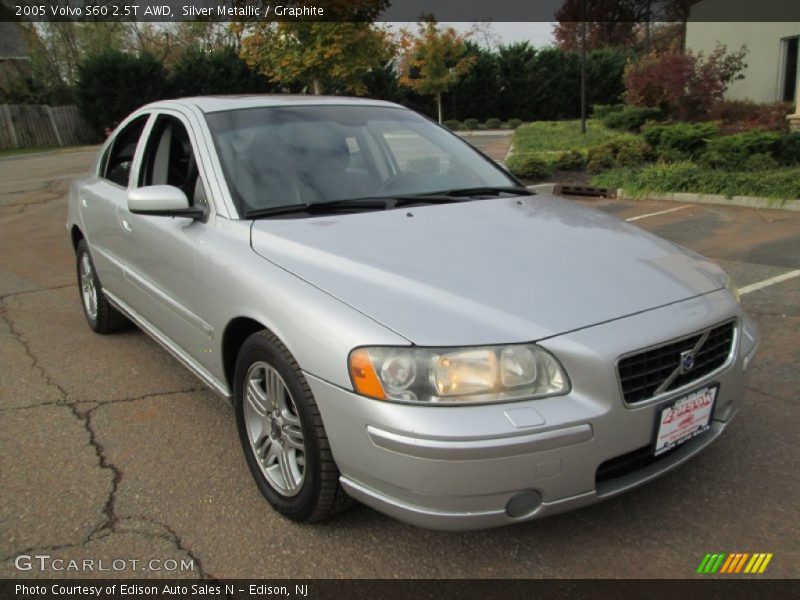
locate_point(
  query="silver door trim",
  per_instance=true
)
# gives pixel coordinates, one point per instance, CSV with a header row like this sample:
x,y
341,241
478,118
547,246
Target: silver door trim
x,y
168,301
183,357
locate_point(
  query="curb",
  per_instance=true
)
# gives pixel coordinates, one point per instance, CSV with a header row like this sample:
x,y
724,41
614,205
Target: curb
x,y
480,132
742,201
543,188
52,151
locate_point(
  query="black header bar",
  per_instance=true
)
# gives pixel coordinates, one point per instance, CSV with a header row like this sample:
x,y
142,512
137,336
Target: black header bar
x,y
400,10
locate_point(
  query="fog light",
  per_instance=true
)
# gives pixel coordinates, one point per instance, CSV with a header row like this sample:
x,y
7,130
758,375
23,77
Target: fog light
x,y
523,504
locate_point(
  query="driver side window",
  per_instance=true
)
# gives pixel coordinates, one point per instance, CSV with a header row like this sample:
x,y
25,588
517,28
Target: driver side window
x,y
170,160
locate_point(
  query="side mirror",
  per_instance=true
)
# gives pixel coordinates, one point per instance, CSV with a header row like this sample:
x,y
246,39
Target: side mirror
x,y
162,201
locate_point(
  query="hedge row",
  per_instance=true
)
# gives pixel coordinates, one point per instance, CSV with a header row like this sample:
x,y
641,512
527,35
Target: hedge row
x,y
472,124
698,143
520,81
702,143
685,176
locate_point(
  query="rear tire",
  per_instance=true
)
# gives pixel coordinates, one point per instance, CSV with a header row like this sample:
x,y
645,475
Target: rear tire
x,y
282,435
101,316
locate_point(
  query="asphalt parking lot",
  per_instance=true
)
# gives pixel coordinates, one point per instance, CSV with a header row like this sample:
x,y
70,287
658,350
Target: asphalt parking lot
x,y
109,449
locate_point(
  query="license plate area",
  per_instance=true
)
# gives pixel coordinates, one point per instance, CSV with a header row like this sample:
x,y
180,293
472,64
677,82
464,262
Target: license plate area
x,y
684,419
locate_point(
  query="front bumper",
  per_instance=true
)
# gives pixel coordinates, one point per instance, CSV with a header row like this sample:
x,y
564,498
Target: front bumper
x,y
458,467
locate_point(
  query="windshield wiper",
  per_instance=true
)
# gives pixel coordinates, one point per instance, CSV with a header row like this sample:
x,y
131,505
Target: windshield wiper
x,y
447,196
384,202
484,191
318,207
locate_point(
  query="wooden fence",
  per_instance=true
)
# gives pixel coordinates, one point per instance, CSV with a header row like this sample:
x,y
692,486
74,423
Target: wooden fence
x,y
42,126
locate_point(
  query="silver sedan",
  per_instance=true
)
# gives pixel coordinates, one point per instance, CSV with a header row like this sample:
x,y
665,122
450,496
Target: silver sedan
x,y
396,319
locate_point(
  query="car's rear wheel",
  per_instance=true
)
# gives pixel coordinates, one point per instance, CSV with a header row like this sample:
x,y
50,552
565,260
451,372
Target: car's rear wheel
x,y
282,434
100,314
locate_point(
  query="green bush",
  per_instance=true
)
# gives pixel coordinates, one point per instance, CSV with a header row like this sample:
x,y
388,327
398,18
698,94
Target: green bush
x,y
781,183
601,111
528,167
453,125
471,123
760,162
731,152
738,116
620,152
572,160
787,151
680,141
600,158
659,177
631,118
514,123
493,123
631,152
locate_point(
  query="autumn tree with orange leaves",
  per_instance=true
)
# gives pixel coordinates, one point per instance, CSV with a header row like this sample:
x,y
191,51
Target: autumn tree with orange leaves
x,y
341,50
432,61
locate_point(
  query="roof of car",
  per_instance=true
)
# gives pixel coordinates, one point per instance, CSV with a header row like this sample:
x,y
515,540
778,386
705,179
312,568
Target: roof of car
x,y
209,104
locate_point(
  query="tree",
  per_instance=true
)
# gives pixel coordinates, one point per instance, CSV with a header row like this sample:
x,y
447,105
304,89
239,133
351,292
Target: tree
x,y
514,65
339,52
432,61
685,86
215,71
643,25
55,50
475,93
170,42
112,84
609,23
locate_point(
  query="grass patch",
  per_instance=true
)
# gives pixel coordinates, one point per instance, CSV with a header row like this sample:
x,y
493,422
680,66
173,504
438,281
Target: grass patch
x,y
781,183
544,137
18,151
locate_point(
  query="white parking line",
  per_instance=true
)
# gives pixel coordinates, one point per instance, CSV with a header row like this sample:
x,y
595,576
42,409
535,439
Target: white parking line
x,y
655,214
768,282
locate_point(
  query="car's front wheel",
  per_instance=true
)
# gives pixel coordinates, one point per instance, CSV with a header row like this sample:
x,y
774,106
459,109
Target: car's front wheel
x,y
101,316
282,434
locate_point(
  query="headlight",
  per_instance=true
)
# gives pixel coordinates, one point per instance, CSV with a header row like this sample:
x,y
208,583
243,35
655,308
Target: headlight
x,y
456,375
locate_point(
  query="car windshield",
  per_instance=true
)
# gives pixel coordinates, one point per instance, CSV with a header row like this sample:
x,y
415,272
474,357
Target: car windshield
x,y
275,157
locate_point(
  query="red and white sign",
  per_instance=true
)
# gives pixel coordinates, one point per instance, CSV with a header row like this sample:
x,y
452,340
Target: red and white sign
x,y
686,418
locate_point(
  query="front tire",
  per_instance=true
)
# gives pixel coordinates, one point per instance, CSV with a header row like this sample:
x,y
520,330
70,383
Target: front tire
x,y
282,434
101,316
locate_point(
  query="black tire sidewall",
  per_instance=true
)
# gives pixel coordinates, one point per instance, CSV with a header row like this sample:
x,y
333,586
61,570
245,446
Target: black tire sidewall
x,y
258,348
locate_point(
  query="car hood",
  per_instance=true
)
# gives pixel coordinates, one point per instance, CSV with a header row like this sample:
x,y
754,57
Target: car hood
x,y
486,271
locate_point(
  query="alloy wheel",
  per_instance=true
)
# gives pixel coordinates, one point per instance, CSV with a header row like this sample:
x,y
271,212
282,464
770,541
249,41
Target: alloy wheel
x,y
273,429
88,287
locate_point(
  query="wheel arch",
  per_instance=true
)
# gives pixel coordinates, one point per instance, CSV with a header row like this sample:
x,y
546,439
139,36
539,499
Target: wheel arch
x,y
76,235
236,332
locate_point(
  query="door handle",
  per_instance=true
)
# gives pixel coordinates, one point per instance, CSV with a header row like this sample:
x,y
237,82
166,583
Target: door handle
x,y
125,224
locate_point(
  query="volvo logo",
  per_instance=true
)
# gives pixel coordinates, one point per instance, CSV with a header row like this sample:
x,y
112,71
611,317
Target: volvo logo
x,y
687,361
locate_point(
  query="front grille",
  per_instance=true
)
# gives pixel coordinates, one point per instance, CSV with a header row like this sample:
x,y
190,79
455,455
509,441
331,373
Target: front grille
x,y
629,463
657,370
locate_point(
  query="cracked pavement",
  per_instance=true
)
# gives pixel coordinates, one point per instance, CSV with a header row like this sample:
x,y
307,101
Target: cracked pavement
x,y
110,449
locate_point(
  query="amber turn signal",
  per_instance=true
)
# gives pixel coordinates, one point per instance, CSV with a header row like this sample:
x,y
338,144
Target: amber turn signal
x,y
362,373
